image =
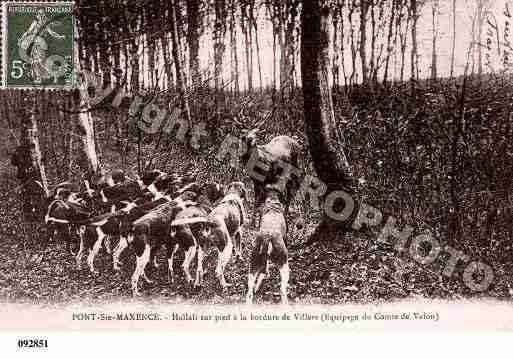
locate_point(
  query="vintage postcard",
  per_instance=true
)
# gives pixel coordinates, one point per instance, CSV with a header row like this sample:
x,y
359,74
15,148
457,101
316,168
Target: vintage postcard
x,y
252,165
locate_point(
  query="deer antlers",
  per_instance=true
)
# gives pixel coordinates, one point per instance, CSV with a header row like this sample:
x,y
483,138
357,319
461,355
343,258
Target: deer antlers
x,y
250,128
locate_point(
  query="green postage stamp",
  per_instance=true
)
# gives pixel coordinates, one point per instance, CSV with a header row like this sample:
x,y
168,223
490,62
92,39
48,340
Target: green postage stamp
x,y
37,40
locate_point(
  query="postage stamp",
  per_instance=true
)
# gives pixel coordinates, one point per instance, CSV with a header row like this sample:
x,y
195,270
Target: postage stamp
x,y
37,43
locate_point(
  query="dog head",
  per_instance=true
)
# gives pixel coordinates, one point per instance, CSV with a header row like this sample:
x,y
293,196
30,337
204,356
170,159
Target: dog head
x,y
188,196
213,191
274,192
207,227
237,188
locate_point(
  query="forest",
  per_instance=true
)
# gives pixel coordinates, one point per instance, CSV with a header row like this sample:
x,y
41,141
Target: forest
x,y
407,103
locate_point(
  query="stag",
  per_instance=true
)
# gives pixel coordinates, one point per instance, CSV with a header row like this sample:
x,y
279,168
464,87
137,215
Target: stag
x,y
281,156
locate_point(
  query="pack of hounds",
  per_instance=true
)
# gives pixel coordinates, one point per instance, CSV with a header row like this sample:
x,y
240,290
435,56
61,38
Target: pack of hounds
x,y
177,212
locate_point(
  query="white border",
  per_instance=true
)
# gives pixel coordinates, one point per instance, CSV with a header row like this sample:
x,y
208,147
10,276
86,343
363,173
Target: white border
x,y
4,38
259,345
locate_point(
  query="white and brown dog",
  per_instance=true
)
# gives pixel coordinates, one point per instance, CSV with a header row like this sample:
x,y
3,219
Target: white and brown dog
x,y
224,229
269,244
197,229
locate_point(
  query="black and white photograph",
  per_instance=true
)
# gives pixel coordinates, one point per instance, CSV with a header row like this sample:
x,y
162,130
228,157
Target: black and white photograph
x,y
224,164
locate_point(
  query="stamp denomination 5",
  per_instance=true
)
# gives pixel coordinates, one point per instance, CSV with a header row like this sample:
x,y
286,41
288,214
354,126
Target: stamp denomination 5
x,y
38,45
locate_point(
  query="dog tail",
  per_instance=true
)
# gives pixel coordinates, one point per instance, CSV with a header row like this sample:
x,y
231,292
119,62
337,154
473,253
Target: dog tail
x,y
261,250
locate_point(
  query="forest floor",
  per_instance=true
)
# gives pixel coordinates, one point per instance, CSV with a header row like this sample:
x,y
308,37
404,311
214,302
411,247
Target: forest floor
x,y
354,269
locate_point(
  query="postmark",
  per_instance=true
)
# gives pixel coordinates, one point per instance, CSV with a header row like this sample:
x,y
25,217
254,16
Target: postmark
x,y
37,42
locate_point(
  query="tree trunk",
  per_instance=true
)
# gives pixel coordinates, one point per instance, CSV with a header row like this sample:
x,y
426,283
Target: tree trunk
x,y
289,23
88,160
342,52
167,61
193,22
219,33
414,17
233,44
259,62
283,50
389,41
372,62
250,32
275,60
453,47
31,172
335,52
180,82
325,140
480,22
364,7
30,138
134,64
403,39
434,11
244,25
353,46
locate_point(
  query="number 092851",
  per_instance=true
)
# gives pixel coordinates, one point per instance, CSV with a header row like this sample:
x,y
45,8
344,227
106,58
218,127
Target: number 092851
x,y
32,343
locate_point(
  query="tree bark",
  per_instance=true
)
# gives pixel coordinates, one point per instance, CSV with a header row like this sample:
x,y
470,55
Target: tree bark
x,y
167,61
342,52
257,45
180,79
372,62
353,46
219,34
194,23
233,43
30,138
88,160
244,25
453,47
479,38
434,13
414,47
403,39
389,41
336,81
325,140
364,7
30,169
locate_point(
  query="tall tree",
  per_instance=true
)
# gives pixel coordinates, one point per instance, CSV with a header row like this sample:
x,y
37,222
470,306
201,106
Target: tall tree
x,y
180,78
193,35
253,20
325,140
414,46
482,7
233,44
88,159
403,37
168,62
390,48
352,8
245,26
336,30
29,139
364,9
434,28
453,46
219,47
289,13
342,32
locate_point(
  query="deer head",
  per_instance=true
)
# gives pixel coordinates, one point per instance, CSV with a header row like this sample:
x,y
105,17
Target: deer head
x,y
249,129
